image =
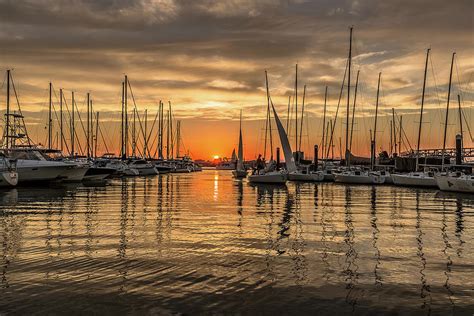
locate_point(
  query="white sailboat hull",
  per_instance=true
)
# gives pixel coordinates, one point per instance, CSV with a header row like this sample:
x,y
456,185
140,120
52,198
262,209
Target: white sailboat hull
x,y
359,179
306,177
271,177
463,183
8,179
421,180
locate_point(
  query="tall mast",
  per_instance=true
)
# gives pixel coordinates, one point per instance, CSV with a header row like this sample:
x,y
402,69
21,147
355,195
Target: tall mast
x,y
126,115
91,112
296,107
160,152
288,115
7,114
268,124
88,136
326,155
447,111
134,140
421,110
352,119
460,118
348,96
72,125
331,142
178,137
400,135
50,119
167,137
170,122
122,126
61,133
323,142
391,137
394,132
96,134
302,116
145,142
375,123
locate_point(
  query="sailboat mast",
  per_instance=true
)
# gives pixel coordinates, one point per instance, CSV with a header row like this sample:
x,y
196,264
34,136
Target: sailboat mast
x,y
394,132
331,146
352,119
178,136
375,123
267,122
134,127
288,115
167,136
296,107
50,119
348,96
460,117
122,126
400,135
171,130
421,110
162,125
326,155
302,116
61,132
323,141
91,129
391,137
145,141
447,111
96,134
7,114
88,126
126,116
73,122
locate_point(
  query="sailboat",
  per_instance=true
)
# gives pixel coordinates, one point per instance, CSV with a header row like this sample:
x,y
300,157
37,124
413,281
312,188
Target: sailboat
x,y
357,175
455,182
417,178
293,173
240,171
270,174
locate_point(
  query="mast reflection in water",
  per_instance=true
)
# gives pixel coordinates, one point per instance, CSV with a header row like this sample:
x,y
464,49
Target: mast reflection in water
x,y
203,242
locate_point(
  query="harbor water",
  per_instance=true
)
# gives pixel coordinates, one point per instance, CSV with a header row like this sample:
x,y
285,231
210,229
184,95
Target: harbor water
x,y
206,243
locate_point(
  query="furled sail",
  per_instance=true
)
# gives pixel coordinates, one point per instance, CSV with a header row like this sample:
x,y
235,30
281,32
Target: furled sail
x,y
289,160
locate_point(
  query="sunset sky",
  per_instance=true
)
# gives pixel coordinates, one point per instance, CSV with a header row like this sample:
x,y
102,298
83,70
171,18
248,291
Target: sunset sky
x,y
208,58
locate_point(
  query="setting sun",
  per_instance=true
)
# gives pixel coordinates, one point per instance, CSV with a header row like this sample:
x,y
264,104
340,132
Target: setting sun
x,y
216,156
